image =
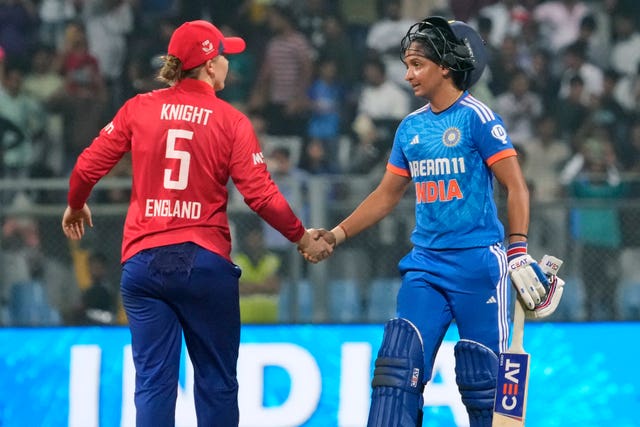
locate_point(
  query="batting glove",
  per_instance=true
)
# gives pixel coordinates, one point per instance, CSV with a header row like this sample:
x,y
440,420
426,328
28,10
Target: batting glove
x,y
549,266
526,275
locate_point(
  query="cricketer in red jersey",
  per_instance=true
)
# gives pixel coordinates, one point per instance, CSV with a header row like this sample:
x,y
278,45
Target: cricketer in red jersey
x,y
177,275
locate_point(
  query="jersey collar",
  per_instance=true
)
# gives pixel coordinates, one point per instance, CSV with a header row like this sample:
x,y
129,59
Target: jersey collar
x,y
195,85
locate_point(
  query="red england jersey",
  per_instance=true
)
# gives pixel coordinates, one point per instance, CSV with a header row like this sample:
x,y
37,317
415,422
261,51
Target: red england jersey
x,y
185,144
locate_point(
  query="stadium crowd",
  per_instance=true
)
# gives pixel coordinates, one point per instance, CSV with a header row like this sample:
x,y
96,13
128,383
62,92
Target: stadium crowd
x,y
323,83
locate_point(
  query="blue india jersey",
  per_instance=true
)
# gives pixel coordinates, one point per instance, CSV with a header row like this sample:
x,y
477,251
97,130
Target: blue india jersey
x,y
448,156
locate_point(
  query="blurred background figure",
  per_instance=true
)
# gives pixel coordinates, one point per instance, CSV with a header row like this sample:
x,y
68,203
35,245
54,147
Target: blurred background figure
x,y
98,303
593,174
286,69
546,154
384,35
383,103
108,24
519,107
326,97
84,104
260,280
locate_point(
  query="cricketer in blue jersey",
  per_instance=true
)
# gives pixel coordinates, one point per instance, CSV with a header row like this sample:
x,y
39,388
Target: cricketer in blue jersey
x,y
451,151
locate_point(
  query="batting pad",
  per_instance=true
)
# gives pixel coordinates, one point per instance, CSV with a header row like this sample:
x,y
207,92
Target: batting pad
x,y
476,373
396,399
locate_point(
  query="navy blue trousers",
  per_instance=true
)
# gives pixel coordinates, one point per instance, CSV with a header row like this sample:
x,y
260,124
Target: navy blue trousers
x,y
176,289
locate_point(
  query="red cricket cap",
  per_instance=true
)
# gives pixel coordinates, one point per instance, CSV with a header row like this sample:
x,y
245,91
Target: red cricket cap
x,y
195,42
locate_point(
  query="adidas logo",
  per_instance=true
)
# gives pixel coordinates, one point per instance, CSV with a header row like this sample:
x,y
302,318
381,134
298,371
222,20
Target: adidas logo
x,y
415,140
491,300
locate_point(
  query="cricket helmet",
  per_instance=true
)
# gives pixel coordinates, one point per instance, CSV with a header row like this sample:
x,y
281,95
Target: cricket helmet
x,y
452,44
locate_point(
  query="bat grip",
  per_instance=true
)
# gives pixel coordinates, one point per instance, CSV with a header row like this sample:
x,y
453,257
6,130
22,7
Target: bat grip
x,y
517,337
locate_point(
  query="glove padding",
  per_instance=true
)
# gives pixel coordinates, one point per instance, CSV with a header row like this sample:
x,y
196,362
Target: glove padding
x,y
549,266
528,279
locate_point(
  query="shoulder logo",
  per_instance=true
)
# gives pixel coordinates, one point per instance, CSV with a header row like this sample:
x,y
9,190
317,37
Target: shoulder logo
x,y
415,140
451,137
499,132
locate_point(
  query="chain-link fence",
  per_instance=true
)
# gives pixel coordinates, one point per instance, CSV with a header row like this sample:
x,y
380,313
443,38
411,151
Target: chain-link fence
x,y
49,280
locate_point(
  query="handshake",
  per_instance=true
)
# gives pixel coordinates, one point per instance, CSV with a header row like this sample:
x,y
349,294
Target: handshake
x,y
317,244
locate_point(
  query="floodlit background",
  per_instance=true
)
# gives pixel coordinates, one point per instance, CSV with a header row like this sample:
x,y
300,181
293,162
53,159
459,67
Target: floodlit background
x,y
563,75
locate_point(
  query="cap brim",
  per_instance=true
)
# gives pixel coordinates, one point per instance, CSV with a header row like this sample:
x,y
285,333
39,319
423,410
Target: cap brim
x,y
233,45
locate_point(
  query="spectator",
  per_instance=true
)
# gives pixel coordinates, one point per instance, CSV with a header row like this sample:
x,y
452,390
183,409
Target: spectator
x,y
367,152
593,174
485,29
240,76
108,24
98,302
545,155
44,83
338,46
311,16
381,101
560,21
625,51
280,91
507,18
571,111
326,96
503,66
547,87
54,16
607,112
25,113
292,182
597,46
84,105
144,57
18,28
519,108
383,38
260,279
575,64
316,159
39,288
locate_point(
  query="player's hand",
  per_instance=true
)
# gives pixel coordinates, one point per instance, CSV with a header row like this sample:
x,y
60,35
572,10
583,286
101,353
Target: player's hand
x,y
549,266
73,222
314,247
526,275
327,235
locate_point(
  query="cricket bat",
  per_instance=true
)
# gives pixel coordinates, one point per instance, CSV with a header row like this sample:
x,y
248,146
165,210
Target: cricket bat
x,y
510,406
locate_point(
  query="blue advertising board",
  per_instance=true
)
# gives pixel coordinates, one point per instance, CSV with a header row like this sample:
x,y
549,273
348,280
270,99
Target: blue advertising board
x,y
582,375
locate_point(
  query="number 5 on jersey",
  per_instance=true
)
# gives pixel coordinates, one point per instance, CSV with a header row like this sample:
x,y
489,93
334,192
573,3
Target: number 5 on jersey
x,y
183,156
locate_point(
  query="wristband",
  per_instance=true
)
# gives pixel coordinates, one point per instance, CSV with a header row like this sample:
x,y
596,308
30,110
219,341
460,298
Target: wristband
x,y
516,249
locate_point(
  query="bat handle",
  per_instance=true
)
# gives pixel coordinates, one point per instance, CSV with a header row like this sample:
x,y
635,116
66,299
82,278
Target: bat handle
x,y
517,339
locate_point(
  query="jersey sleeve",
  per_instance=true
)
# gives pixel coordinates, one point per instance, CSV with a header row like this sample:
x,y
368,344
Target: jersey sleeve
x,y
113,141
398,163
249,173
494,142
